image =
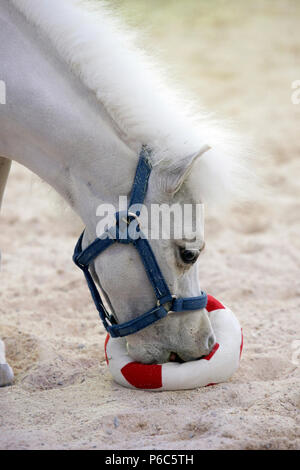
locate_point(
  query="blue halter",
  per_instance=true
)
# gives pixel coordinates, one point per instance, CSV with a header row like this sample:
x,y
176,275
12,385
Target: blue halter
x,y
166,302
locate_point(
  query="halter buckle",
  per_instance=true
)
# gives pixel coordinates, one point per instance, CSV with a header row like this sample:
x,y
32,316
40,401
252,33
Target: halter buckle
x,y
158,303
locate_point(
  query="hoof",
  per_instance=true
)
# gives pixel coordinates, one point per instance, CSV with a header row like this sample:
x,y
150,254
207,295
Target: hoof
x,y
6,375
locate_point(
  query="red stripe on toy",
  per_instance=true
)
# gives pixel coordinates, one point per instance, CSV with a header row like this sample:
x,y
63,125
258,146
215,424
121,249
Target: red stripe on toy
x,y
143,375
213,304
212,352
242,343
105,346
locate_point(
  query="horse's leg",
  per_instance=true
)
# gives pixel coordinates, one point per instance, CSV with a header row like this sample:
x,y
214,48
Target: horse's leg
x,y
6,373
4,171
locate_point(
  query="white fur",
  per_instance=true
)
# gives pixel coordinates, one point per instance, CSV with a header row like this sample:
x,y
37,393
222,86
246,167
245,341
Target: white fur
x,y
101,51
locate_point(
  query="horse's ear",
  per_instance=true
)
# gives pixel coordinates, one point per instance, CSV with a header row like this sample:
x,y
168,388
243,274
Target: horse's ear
x,y
176,175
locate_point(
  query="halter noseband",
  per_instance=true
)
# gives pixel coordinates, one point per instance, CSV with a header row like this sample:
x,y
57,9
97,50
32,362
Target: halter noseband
x,y
166,302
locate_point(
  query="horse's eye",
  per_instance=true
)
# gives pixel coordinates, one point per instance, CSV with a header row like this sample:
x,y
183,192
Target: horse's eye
x,y
189,256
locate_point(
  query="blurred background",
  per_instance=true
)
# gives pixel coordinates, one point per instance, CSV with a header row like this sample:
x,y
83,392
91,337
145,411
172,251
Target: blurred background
x,y
239,61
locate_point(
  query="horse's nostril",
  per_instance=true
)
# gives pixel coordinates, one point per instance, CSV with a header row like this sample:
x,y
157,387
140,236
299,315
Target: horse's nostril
x,y
211,341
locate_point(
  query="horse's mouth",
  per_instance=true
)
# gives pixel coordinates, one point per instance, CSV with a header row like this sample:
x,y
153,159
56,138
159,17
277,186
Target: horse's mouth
x,y
175,358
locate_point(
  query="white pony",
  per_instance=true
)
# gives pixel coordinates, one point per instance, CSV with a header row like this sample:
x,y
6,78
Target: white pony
x,y
81,100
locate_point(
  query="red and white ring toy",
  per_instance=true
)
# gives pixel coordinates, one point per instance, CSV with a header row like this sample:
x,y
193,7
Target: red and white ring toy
x,y
218,366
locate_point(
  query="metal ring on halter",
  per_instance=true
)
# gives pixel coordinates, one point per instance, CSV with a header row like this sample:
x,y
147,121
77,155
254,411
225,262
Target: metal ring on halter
x,y
124,216
158,304
135,216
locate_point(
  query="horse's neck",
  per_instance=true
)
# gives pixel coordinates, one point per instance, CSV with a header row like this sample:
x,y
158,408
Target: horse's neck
x,y
54,126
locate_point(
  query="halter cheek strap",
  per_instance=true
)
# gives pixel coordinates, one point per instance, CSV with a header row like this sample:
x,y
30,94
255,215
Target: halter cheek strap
x,y
121,234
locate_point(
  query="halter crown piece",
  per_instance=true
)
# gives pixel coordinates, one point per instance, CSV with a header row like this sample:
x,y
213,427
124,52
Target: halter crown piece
x,y
166,302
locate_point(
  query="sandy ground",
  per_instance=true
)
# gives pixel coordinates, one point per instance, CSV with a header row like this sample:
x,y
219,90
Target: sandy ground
x,y
240,59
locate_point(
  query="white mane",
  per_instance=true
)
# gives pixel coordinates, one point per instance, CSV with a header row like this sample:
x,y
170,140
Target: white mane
x,y
102,53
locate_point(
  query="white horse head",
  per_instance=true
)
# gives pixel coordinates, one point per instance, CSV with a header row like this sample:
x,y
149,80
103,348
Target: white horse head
x,y
81,102
124,283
